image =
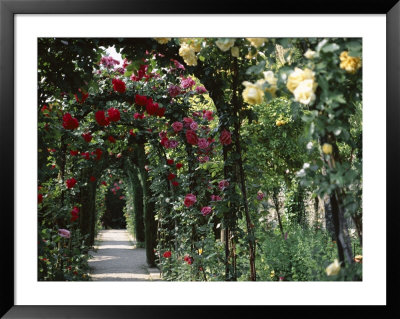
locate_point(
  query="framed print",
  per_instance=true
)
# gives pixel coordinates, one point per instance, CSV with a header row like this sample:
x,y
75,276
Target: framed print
x,y
235,156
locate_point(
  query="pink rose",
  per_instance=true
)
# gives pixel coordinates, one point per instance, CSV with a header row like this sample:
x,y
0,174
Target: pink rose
x,y
202,143
206,210
177,126
190,199
173,144
194,126
223,184
260,195
187,83
201,89
64,233
225,138
174,90
187,121
215,198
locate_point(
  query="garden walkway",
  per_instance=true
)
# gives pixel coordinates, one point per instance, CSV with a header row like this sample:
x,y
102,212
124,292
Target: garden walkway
x,y
116,258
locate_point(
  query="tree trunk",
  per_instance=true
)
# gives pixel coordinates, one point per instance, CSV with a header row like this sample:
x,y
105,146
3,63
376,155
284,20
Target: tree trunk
x,y
249,225
276,204
148,205
329,225
87,213
137,192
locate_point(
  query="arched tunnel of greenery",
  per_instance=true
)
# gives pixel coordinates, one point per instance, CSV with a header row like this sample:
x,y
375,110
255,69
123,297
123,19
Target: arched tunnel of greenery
x,y
229,159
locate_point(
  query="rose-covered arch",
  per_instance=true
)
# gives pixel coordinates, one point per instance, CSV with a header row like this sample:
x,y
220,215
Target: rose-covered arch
x,y
172,116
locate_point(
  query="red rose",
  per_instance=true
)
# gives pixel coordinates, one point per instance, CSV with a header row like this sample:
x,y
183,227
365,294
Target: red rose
x,y
138,116
167,254
151,108
140,100
164,141
104,183
69,122
161,111
87,137
208,115
190,199
170,161
84,96
191,137
101,118
171,176
73,153
131,132
119,85
111,139
179,165
71,182
175,183
40,198
92,178
113,115
45,110
188,259
98,153
225,138
86,155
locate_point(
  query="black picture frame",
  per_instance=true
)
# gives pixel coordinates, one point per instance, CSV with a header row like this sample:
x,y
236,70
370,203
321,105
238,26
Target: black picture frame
x,y
8,9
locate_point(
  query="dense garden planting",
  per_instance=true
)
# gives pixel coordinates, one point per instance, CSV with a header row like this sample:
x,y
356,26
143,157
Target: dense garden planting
x,y
228,159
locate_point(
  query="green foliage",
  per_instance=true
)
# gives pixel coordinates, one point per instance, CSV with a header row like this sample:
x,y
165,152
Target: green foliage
x,y
303,256
275,148
61,258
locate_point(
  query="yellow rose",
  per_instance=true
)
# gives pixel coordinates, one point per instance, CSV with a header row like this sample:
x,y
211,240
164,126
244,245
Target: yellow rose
x,y
349,63
270,78
162,40
304,92
256,42
309,54
225,44
272,81
235,52
297,76
193,43
188,54
200,251
333,269
271,89
253,93
327,148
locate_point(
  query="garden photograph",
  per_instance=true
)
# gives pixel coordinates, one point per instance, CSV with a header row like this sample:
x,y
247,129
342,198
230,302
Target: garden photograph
x,y
199,159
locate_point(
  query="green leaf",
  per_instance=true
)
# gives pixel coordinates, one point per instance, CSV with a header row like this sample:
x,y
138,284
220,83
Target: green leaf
x,y
323,83
256,69
330,48
354,48
321,44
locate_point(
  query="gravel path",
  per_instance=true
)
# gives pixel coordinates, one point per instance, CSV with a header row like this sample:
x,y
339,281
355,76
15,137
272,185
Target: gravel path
x,y
116,259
